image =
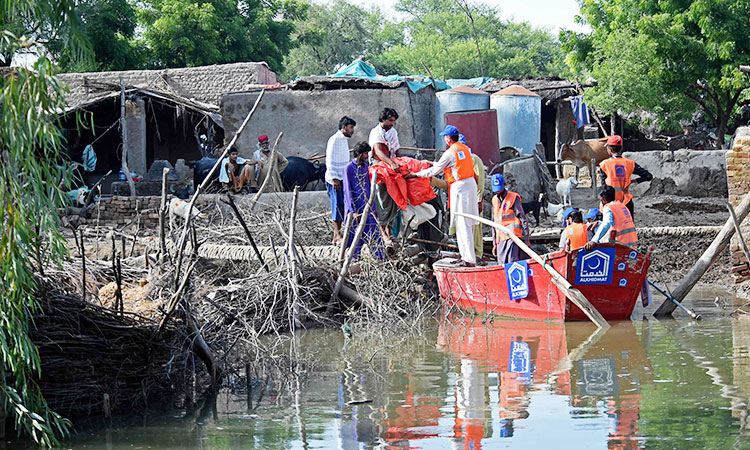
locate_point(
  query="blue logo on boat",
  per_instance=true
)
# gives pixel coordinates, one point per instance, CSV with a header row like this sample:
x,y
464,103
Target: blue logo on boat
x,y
623,282
633,254
519,360
531,272
596,266
517,277
621,266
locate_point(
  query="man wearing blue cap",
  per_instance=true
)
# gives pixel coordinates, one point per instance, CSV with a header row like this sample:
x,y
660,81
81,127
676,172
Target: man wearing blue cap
x,y
507,211
458,168
480,172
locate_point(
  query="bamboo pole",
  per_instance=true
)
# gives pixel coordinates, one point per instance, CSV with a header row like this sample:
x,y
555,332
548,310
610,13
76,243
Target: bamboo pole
x,y
560,281
162,214
347,230
708,257
732,215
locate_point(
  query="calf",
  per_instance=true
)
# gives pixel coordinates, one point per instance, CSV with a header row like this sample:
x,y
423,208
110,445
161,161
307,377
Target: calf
x,y
179,208
582,152
300,172
563,189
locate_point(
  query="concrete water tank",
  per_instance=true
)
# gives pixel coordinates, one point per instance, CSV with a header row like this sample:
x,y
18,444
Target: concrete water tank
x,y
462,98
519,118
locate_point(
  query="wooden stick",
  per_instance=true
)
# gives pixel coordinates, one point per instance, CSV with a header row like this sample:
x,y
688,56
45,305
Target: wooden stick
x,y
231,204
176,297
355,241
162,214
736,229
347,230
273,250
708,257
124,134
560,281
420,149
83,267
425,241
271,171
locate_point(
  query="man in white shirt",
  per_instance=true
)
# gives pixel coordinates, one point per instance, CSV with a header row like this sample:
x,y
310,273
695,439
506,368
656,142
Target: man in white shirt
x,y
235,172
337,157
384,143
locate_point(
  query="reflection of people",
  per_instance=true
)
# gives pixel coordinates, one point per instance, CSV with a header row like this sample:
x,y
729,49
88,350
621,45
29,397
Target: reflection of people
x,y
507,211
356,190
617,224
337,157
384,143
236,172
458,169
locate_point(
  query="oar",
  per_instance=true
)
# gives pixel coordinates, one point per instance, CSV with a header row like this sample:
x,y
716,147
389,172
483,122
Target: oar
x,y
670,297
563,284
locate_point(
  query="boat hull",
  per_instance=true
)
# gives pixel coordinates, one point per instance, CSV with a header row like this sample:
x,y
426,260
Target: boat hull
x,y
484,289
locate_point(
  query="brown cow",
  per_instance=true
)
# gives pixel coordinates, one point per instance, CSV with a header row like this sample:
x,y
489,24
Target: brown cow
x,y
582,152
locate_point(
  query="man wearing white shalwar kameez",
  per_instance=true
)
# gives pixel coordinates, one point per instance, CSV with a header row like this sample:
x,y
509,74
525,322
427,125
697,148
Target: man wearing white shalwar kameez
x,y
457,165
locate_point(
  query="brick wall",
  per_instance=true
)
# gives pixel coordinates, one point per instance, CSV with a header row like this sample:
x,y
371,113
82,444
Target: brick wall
x,y
119,210
738,183
205,83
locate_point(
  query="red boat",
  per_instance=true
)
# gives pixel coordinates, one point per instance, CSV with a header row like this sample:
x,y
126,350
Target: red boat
x,y
610,276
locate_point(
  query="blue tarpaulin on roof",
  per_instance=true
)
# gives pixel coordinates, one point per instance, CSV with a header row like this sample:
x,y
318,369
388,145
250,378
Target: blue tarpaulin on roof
x,y
476,83
361,69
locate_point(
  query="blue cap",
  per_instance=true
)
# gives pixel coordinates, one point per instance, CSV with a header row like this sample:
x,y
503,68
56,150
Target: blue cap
x,y
450,130
566,213
462,138
498,182
591,214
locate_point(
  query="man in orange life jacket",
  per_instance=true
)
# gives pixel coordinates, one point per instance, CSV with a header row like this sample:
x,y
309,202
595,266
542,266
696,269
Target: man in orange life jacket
x,y
617,224
575,235
507,211
457,166
617,172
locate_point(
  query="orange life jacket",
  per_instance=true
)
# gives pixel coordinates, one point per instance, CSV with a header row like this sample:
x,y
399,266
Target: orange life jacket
x,y
464,163
577,234
624,226
619,172
504,214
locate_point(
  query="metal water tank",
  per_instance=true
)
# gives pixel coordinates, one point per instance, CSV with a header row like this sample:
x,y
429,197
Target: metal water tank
x,y
519,118
462,98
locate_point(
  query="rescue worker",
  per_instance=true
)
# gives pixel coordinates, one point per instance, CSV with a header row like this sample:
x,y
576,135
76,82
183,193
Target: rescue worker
x,y
617,171
507,211
576,234
458,168
617,224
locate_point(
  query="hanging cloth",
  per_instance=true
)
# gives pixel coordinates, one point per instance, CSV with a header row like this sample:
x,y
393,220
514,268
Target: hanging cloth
x,y
580,111
89,159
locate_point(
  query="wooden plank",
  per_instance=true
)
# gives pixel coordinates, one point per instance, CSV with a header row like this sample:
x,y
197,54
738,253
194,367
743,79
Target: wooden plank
x,y
560,281
708,257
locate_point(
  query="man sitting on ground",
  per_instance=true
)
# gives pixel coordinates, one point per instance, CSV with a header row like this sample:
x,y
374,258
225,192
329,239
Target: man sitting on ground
x,y
235,172
262,158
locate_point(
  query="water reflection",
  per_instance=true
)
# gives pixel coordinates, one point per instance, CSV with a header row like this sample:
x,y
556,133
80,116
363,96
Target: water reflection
x,y
465,384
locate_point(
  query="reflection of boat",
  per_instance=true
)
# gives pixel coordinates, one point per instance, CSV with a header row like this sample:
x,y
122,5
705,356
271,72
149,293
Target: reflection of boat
x,y
610,276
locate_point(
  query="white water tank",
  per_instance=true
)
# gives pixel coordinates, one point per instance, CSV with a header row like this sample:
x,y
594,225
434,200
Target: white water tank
x,y
519,118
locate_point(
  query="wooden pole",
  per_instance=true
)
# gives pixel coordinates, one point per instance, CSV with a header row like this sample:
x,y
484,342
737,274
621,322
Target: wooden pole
x,y
163,214
83,268
560,281
355,241
593,179
231,204
347,230
708,257
736,229
124,134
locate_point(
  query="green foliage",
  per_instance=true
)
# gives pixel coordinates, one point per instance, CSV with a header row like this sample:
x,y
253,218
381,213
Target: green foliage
x,y
440,35
666,58
335,34
182,33
30,143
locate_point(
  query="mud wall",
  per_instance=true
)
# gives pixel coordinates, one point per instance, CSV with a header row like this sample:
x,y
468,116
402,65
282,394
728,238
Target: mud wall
x,y
738,180
690,173
309,118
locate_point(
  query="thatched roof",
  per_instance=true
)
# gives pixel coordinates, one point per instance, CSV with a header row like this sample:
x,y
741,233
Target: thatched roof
x,y
551,89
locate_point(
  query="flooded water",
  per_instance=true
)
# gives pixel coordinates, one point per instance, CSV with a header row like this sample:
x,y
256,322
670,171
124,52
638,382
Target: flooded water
x,y
464,384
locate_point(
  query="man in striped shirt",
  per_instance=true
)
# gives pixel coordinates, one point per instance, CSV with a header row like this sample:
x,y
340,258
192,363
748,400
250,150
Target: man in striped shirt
x,y
337,157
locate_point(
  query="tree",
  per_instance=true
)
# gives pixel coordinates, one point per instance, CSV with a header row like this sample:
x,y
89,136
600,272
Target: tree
x,y
666,58
334,34
30,154
449,37
182,33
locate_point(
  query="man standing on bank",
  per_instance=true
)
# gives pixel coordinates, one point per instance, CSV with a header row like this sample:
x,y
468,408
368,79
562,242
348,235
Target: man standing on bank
x,y
617,171
458,168
384,143
508,212
337,157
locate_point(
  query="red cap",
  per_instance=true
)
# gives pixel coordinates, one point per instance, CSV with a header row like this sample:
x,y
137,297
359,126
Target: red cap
x,y
262,137
614,140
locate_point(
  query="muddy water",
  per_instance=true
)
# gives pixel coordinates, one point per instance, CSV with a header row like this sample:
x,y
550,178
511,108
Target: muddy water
x,y
463,384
